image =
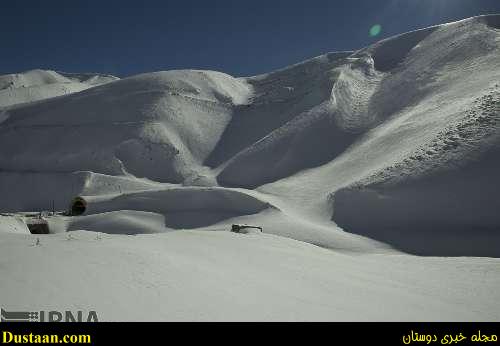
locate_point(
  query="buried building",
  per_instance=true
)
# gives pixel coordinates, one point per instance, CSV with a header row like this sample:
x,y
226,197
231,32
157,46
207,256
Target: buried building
x,y
38,225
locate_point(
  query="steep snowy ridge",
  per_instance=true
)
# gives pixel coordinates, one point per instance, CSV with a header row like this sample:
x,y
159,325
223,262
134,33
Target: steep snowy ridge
x,y
433,68
278,98
441,187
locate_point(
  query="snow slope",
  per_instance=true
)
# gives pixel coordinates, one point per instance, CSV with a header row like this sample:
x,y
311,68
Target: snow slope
x,y
352,162
159,126
419,178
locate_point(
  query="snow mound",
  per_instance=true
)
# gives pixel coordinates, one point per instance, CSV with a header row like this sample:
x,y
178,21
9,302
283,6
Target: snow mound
x,y
129,222
188,207
13,224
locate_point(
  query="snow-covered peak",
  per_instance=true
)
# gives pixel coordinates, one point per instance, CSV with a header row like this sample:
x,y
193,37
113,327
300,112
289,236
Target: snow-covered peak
x,y
35,85
31,78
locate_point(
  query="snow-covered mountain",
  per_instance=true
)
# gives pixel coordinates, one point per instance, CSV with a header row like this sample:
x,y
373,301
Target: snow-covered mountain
x,y
369,155
37,85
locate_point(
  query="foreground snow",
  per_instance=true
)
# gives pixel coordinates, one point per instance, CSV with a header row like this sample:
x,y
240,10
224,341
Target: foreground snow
x,y
205,276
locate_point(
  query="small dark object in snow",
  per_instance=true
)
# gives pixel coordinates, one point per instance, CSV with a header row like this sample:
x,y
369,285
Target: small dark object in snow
x,y
238,228
38,225
78,206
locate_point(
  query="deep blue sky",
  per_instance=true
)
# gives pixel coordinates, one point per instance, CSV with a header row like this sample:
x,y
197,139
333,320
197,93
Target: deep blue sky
x,y
238,37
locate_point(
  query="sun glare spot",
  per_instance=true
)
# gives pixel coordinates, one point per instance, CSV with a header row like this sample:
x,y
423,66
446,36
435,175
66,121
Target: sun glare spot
x,y
375,30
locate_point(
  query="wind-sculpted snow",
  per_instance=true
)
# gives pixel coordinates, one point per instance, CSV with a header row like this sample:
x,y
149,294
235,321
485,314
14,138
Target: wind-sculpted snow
x,y
278,98
315,136
452,214
129,222
441,200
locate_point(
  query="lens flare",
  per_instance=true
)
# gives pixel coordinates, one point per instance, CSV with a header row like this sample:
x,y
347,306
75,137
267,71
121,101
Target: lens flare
x,y
375,30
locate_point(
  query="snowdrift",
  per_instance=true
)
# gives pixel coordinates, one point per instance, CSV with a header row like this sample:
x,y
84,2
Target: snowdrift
x,y
13,224
191,207
453,213
128,222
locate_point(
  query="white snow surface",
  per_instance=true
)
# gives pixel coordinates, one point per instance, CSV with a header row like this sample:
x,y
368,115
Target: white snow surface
x,y
221,276
374,175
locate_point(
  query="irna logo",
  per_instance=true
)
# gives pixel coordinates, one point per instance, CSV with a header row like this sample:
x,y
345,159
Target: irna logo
x,y
49,316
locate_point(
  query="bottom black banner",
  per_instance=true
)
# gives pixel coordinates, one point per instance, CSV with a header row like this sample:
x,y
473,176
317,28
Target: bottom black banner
x,y
349,333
